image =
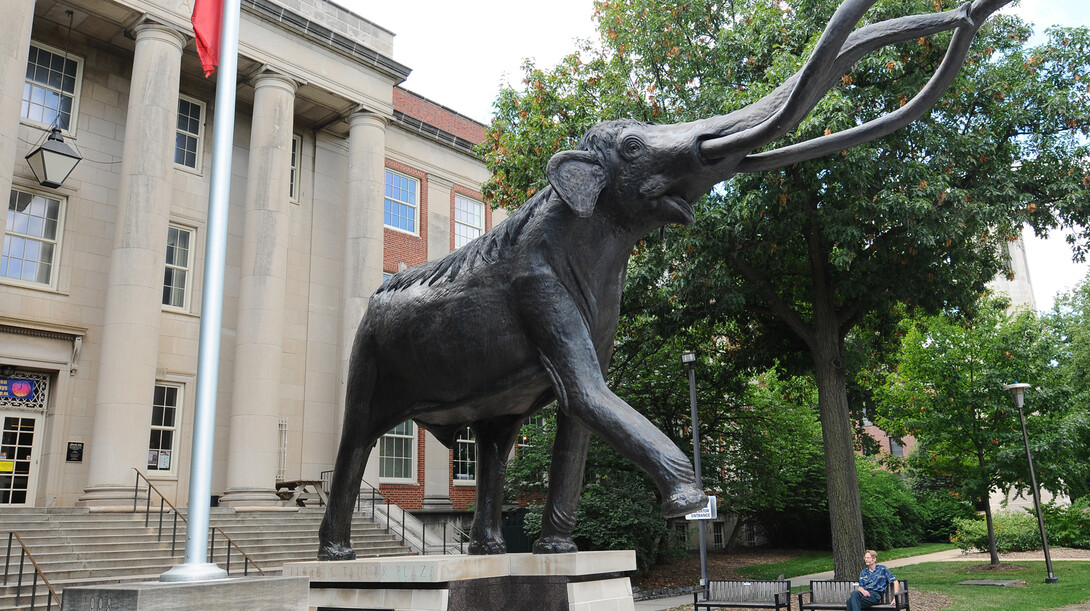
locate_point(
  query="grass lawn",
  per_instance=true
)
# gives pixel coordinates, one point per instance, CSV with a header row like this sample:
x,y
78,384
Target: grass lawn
x,y
943,577
816,562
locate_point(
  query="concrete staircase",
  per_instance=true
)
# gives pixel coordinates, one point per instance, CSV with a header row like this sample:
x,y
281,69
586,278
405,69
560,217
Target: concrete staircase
x,y
76,547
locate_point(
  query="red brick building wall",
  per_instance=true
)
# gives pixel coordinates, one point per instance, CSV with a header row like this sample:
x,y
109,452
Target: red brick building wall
x,y
436,115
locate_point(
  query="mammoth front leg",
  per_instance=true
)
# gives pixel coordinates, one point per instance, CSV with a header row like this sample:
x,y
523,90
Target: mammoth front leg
x,y
568,355
495,438
565,486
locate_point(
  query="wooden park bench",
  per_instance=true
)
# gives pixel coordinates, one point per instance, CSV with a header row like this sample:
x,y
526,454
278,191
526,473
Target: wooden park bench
x,y
749,594
834,595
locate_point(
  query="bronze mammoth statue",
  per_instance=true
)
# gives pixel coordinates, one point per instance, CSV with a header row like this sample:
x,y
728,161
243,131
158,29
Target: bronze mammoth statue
x,y
527,313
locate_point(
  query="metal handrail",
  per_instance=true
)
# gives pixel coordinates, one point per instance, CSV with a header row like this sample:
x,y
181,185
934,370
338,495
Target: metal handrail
x,y
247,561
25,553
387,500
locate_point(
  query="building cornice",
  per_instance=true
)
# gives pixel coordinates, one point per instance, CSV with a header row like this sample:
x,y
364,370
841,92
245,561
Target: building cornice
x,y
326,37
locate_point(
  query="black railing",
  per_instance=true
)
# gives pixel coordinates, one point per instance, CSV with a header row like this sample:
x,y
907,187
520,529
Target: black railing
x,y
164,504
23,555
378,498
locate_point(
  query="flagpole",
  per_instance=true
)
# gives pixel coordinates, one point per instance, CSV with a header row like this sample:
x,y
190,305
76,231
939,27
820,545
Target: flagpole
x,y
197,566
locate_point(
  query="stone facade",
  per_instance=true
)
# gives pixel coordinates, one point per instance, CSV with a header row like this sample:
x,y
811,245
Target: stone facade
x,y
108,346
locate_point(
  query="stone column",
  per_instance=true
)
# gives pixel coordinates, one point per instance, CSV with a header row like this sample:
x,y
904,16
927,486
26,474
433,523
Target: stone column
x,y
255,407
15,30
436,474
363,242
134,290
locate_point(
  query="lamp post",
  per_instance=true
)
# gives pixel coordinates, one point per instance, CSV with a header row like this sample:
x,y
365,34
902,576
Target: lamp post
x,y
689,358
1017,393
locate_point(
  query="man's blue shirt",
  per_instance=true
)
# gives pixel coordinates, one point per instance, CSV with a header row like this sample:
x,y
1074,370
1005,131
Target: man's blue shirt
x,y
876,581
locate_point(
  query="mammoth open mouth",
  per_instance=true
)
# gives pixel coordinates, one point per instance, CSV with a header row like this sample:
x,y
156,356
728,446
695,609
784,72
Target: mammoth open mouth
x,y
682,205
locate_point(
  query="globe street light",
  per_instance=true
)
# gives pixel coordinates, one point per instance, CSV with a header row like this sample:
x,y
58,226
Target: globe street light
x,y
1017,392
689,358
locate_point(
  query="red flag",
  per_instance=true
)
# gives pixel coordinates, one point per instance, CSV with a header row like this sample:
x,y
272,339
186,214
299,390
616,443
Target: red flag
x,y
207,19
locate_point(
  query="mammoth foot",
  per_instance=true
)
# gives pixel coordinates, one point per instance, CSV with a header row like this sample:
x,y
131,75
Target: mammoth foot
x,y
555,545
487,547
336,551
683,502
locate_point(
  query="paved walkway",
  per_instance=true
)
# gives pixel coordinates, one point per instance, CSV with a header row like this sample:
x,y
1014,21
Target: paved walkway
x,y
660,604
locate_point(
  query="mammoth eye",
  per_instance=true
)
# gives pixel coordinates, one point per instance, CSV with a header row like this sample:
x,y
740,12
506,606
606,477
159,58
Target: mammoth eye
x,y
631,147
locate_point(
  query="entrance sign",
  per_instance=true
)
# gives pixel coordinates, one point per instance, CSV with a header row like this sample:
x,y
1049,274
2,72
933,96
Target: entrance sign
x,y
708,512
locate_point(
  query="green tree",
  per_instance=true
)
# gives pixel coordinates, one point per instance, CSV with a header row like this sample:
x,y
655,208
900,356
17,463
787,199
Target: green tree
x,y
1070,318
796,258
947,392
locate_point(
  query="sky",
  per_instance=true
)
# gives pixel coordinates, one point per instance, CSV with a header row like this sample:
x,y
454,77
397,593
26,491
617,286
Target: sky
x,y
461,52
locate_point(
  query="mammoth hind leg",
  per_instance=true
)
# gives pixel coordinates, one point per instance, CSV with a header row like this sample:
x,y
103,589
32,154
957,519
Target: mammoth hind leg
x,y
565,485
495,438
364,424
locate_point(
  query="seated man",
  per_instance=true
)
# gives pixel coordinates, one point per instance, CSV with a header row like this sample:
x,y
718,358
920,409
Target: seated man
x,y
874,580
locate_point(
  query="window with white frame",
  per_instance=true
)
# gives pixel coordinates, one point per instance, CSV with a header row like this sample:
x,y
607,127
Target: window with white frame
x,y
190,133
396,451
718,538
51,88
165,410
178,267
400,206
32,237
465,456
293,172
468,220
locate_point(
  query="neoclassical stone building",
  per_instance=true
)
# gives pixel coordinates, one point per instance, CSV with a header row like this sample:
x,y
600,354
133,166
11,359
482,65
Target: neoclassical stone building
x,y
339,177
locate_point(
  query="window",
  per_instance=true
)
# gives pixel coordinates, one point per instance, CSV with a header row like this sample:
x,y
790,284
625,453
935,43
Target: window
x,y
468,220
681,535
176,277
282,449
293,172
164,427
717,534
187,140
399,210
32,237
50,92
895,448
396,452
465,456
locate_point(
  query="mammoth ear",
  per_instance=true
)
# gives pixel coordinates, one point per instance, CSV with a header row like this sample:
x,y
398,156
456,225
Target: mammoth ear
x,y
578,177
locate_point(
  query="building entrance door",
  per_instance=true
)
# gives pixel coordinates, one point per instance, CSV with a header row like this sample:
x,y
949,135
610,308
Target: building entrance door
x,y
23,398
19,442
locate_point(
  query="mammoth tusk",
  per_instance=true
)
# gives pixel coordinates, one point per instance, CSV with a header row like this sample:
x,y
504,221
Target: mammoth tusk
x,y
887,124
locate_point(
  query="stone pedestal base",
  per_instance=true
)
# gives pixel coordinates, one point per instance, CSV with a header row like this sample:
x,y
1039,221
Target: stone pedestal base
x,y
583,581
265,593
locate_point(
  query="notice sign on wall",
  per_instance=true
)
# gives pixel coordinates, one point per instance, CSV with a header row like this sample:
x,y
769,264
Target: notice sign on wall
x,y
16,388
75,451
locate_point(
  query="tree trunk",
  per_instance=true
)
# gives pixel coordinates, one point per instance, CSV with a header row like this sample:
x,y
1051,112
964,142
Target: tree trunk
x,y
845,508
993,553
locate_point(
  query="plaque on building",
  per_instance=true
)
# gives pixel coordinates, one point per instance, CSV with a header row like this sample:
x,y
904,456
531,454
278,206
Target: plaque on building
x,y
75,451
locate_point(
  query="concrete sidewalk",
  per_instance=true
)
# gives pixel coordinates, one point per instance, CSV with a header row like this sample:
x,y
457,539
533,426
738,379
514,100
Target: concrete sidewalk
x,y
662,604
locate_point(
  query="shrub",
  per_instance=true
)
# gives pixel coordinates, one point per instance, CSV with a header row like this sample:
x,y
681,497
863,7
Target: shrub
x,y
1014,532
1069,526
891,517
939,511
